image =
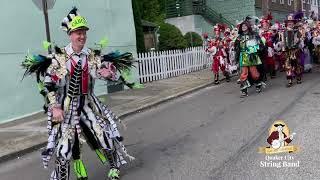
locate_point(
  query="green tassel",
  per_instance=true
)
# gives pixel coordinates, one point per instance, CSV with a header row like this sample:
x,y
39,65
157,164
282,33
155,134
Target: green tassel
x,y
29,61
103,43
80,169
114,173
137,86
41,86
101,156
46,45
129,78
127,75
263,40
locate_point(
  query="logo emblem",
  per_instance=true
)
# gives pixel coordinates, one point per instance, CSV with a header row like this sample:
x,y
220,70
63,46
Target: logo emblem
x,y
279,139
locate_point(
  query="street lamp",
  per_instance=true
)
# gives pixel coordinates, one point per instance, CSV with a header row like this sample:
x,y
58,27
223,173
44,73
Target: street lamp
x,y
45,5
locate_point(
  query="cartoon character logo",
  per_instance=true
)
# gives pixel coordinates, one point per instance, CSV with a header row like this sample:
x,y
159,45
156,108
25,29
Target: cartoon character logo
x,y
279,139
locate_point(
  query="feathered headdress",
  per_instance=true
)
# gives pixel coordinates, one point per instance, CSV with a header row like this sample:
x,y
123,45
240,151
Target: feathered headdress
x,y
298,16
220,27
74,21
251,19
227,32
267,19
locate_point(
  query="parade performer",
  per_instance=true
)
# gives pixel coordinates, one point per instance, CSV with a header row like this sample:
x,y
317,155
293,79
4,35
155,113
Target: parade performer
x,y
247,46
232,63
66,80
309,25
268,53
256,26
316,42
292,41
234,36
279,49
219,54
305,56
206,41
228,46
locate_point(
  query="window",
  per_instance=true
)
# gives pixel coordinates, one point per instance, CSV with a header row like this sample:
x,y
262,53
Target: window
x,y
302,5
281,1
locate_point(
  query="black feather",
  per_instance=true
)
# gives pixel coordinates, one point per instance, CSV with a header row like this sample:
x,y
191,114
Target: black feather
x,y
64,24
38,68
69,18
74,11
58,50
97,52
120,61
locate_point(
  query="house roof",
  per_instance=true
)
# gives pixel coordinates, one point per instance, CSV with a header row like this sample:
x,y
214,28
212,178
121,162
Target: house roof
x,y
148,23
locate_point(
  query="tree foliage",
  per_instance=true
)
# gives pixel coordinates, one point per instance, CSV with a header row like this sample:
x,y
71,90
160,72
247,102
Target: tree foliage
x,y
138,26
153,10
193,39
171,38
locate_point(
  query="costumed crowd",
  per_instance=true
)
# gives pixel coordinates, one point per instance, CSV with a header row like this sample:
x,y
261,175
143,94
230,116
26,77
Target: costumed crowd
x,y
259,49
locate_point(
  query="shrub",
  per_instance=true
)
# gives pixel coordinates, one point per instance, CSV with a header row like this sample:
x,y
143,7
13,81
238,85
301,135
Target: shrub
x,y
171,38
193,39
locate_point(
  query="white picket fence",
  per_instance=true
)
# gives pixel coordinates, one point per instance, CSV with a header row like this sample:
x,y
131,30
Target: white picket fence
x,y
154,66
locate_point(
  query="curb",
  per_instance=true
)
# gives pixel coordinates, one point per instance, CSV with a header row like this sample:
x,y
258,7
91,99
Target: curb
x,y
23,152
40,145
164,100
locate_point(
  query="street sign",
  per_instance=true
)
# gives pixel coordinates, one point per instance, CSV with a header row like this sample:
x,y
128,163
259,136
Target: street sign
x,y
38,3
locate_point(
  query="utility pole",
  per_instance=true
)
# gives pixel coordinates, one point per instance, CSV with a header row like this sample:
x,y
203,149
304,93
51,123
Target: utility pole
x,y
44,6
46,20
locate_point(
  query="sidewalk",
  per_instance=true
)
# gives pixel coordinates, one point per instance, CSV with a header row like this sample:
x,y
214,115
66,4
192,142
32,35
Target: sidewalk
x,y
26,135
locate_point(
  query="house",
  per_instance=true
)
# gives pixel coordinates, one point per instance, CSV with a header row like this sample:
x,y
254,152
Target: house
x,y
201,15
150,31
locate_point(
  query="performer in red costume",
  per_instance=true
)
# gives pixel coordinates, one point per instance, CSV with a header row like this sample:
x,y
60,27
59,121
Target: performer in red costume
x,y
219,54
268,53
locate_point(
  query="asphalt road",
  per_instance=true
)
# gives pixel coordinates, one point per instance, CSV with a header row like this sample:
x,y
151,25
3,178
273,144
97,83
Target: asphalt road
x,y
210,134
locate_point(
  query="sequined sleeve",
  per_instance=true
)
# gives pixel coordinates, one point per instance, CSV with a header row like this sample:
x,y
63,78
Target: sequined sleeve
x,y
56,71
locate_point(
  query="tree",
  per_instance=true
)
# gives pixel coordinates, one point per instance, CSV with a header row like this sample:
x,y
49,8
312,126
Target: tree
x,y
193,39
138,26
171,38
162,4
152,11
